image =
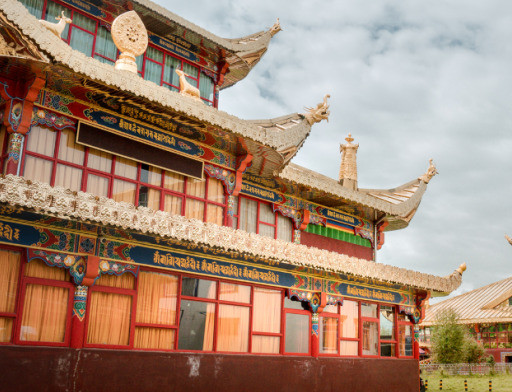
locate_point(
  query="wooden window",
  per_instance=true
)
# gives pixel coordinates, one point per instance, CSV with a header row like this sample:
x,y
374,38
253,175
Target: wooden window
x,y
256,216
387,328
53,157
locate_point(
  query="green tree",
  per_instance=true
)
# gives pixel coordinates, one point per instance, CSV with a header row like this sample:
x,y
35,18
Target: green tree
x,y
473,351
448,338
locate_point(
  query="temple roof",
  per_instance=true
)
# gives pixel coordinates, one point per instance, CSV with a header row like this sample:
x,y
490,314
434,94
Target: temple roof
x,y
397,205
86,207
242,54
488,304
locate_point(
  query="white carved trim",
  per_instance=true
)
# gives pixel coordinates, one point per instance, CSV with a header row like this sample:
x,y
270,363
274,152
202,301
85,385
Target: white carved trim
x,y
61,202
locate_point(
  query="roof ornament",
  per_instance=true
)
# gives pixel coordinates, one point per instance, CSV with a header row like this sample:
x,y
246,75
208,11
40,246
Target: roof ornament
x,y
508,239
186,88
461,268
431,172
131,38
319,113
276,28
348,167
56,28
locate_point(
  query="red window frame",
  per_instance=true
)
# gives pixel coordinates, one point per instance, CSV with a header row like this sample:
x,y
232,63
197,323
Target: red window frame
x,y
395,331
404,321
111,176
20,300
112,290
258,221
283,340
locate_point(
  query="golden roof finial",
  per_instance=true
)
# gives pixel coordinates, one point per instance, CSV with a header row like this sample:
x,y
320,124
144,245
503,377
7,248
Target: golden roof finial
x,y
461,268
348,166
431,172
131,38
508,239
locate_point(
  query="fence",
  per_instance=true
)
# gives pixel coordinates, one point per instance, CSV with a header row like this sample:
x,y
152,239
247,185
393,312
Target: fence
x,y
466,369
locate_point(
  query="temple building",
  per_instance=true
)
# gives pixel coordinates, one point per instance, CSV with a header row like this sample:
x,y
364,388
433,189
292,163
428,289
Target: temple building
x,y
149,241
486,311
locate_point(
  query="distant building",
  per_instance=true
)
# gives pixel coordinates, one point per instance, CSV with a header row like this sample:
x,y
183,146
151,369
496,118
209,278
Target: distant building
x,y
149,239
487,311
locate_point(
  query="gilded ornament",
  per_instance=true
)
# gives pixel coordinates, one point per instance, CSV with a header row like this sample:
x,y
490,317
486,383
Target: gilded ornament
x,y
57,28
131,38
508,239
318,113
431,172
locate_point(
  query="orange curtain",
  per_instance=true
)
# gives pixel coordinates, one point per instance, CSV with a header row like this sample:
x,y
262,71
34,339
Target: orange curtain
x,y
40,140
99,160
45,311
266,317
124,281
10,267
38,269
209,320
109,319
329,335
194,208
156,304
233,330
97,185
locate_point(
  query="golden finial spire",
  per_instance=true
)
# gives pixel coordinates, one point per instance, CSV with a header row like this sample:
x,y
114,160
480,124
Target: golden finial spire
x,y
348,167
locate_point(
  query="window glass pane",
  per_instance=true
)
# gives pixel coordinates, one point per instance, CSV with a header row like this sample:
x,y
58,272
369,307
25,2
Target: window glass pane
x,y
126,168
370,338
150,175
68,177
266,311
154,54
233,328
206,86
5,329
349,319
194,209
104,43
215,190
41,140
405,339
52,11
235,212
45,311
10,267
104,60
196,325
215,214
196,188
99,160
35,7
38,269
123,191
139,60
266,230
284,228
292,304
297,333
349,348
172,204
234,293
368,310
266,214
124,281
153,72
156,298
328,335
149,198
37,169
154,338
387,349
97,185
200,288
330,309
248,211
266,344
171,88
174,182
69,151
81,41
109,318
191,71
170,75
387,323
84,22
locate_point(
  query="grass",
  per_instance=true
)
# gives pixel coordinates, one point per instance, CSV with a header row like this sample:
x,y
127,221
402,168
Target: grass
x,y
476,383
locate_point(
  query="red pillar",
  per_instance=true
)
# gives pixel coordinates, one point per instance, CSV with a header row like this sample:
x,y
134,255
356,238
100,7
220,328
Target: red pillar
x,y
315,340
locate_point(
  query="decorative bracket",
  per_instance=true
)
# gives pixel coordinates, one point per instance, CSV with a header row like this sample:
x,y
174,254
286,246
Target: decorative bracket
x,y
300,217
380,234
242,163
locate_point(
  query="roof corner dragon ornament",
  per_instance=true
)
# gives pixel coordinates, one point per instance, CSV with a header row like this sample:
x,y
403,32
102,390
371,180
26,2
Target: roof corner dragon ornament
x,y
431,172
508,239
318,113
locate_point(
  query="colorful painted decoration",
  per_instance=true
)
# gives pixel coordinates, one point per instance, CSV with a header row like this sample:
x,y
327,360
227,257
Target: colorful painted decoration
x,y
75,264
80,302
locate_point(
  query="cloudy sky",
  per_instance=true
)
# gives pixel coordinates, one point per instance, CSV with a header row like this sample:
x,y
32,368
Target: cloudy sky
x,y
411,81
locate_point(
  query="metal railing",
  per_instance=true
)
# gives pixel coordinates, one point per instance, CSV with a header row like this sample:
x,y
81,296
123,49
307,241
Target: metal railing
x,y
466,368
